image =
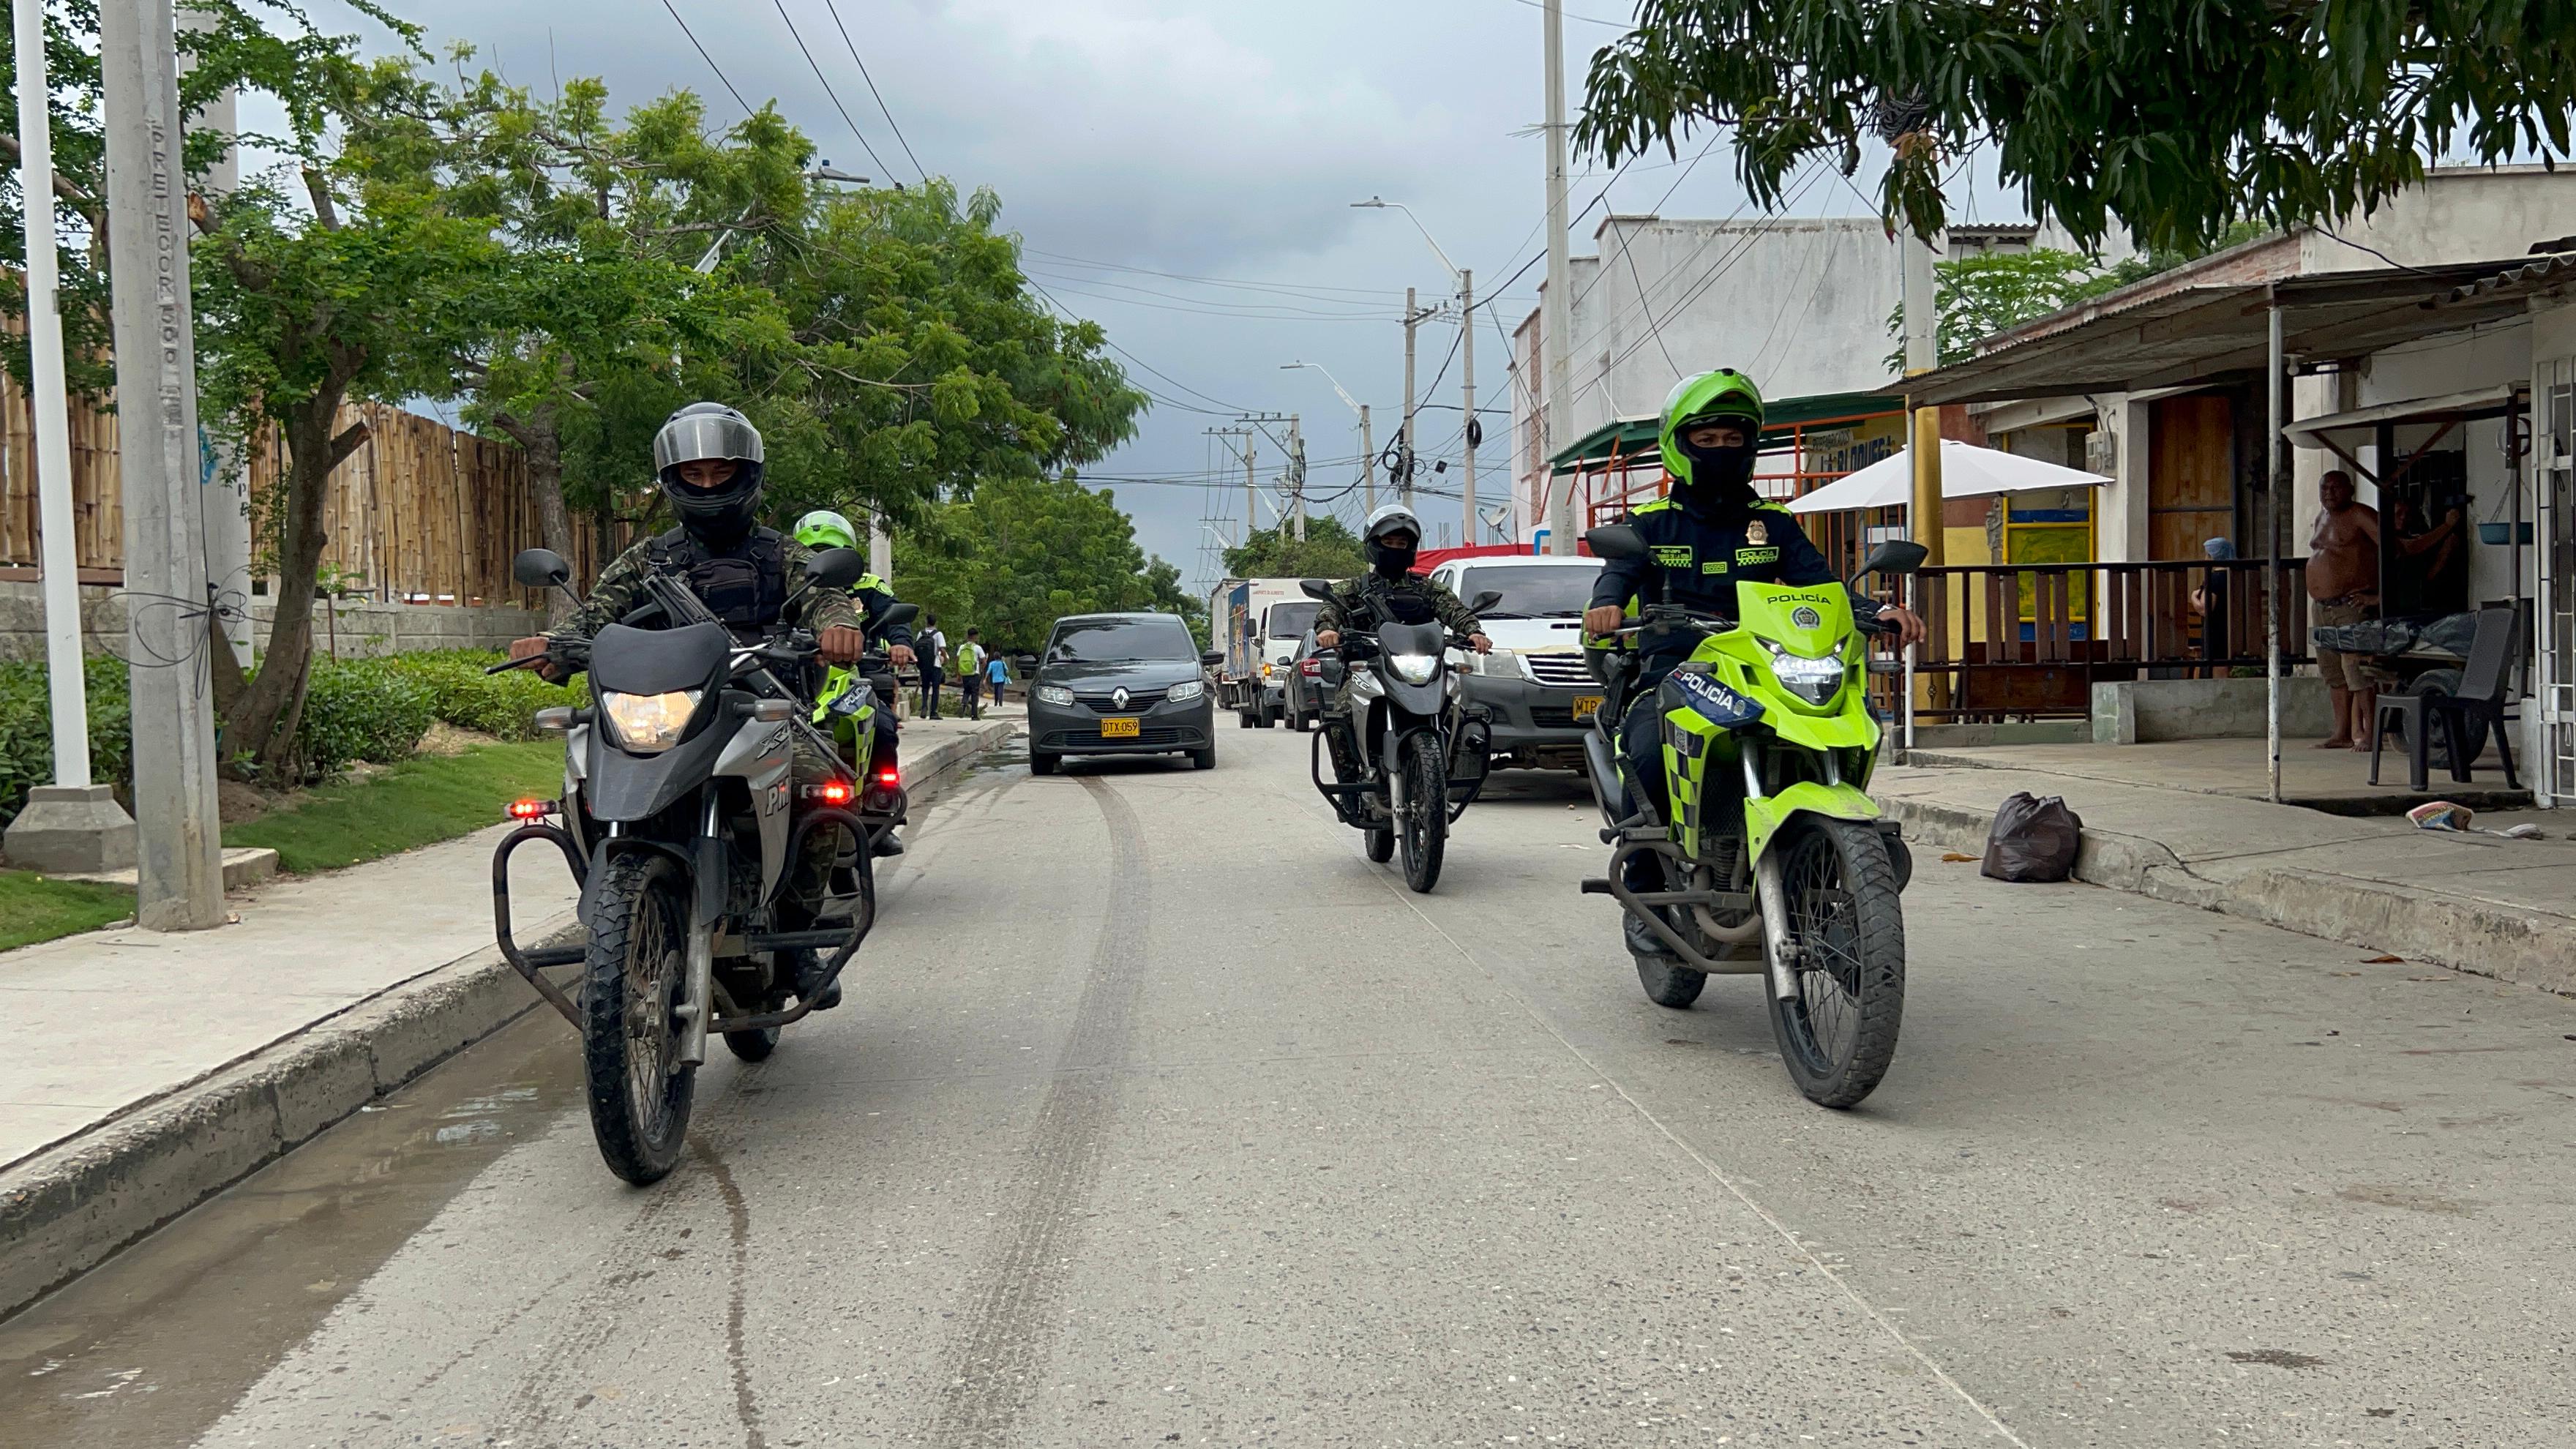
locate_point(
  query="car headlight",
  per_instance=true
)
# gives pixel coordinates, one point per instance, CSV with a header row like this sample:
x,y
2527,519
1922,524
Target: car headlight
x,y
1501,664
1414,668
1816,681
1054,694
648,724
1192,689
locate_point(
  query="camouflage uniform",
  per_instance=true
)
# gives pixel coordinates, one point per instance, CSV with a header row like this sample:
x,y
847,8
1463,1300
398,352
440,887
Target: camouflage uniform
x,y
1351,609
621,585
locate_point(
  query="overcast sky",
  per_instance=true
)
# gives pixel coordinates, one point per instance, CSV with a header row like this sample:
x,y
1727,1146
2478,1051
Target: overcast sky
x,y
1140,144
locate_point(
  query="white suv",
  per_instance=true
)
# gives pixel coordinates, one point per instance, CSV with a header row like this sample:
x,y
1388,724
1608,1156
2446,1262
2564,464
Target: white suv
x,y
1537,684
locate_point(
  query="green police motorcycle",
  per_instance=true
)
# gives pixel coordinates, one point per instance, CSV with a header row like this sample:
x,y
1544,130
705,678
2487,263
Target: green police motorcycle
x,y
854,700
1776,861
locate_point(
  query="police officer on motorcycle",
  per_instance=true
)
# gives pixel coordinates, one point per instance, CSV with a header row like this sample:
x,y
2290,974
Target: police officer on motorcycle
x,y
824,528
1712,532
1392,538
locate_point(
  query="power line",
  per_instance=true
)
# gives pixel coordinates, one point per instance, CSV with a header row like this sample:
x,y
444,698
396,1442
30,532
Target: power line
x,y
709,59
1292,288
872,89
829,94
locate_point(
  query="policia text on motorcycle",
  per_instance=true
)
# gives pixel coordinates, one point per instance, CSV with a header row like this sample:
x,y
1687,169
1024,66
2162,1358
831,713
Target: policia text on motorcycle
x,y
1392,537
1713,532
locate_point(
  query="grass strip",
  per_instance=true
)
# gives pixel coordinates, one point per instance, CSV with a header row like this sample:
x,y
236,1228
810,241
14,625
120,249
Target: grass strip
x,y
419,802
33,908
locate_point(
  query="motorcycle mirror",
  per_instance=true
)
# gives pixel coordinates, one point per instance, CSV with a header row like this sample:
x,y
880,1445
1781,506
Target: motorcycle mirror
x,y
1616,541
836,568
1316,589
900,614
1486,600
1213,656
540,568
1895,556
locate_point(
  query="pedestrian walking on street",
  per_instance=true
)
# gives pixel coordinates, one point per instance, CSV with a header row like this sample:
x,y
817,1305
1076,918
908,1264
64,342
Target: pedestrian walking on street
x,y
970,674
934,655
998,674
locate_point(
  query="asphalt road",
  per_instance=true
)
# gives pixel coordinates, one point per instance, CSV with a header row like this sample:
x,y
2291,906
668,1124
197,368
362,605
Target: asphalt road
x,y
1158,1115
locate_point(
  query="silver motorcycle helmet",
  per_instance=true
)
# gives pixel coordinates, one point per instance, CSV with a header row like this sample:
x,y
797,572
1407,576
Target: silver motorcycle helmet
x,y
711,432
1389,561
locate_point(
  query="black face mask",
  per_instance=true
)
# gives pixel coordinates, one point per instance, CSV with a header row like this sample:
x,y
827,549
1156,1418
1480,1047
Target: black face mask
x,y
718,515
1392,563
1722,475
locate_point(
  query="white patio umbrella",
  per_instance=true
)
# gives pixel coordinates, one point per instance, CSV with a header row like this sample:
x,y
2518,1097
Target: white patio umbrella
x,y
1967,471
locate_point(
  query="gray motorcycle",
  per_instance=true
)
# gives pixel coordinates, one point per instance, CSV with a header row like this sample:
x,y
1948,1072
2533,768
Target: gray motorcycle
x,y
1424,750
712,830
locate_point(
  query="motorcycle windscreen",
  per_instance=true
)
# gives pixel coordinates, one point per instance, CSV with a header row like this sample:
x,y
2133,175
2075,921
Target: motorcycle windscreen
x,y
657,661
1417,641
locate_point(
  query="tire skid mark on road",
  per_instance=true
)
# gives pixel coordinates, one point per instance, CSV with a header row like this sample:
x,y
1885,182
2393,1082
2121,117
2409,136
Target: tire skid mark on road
x,y
990,1373
745,1407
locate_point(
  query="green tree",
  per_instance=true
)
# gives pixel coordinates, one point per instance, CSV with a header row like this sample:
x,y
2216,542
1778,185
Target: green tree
x,y
2171,119
1328,551
1019,553
364,281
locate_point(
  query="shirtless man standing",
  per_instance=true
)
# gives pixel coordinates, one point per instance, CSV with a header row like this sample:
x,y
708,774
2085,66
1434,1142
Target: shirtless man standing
x,y
2343,580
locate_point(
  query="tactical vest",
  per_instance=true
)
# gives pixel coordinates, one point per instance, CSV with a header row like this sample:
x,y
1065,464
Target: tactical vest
x,y
746,588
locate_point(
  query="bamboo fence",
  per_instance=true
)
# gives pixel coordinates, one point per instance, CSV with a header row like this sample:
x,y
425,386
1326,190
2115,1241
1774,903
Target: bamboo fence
x,y
420,513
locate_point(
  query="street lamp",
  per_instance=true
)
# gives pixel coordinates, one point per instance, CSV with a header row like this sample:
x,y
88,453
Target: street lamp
x,y
1473,430
1368,439
715,249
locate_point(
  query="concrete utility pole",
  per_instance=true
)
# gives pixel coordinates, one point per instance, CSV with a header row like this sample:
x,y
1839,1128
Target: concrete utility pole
x,y
1368,462
880,549
180,856
1556,319
1467,400
1297,478
1404,434
224,489
71,825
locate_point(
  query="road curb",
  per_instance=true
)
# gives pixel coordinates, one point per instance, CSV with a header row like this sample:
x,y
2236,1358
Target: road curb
x,y
74,1206
2481,938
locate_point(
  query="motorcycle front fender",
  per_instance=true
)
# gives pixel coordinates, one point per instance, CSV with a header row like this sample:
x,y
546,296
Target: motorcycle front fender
x,y
1764,817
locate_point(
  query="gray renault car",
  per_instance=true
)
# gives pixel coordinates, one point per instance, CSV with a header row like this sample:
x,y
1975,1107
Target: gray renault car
x,y
1121,684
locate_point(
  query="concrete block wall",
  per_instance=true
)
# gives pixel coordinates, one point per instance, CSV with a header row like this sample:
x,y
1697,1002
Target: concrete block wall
x,y
2148,710
363,628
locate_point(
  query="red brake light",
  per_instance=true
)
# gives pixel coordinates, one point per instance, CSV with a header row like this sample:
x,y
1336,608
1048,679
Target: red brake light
x,y
1311,667
889,776
531,809
835,792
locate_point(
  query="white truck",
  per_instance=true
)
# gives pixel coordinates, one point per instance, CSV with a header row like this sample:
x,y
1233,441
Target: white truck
x,y
1257,623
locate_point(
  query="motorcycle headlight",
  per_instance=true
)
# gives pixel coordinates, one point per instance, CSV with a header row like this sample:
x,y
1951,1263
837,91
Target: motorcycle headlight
x,y
1816,681
648,724
1192,689
1414,668
1054,694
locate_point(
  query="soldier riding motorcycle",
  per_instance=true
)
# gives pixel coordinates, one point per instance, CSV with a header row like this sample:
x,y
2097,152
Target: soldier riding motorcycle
x,y
706,818
1732,789
1408,752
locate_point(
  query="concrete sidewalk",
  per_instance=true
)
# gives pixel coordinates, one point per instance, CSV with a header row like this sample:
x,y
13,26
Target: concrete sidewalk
x,y
156,1069
2471,902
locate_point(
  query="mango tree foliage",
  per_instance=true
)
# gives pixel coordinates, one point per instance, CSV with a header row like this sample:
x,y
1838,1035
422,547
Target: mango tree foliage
x,y
2170,118
1016,554
1328,551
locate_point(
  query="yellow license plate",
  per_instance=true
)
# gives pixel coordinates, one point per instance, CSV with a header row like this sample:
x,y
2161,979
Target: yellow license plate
x,y
1585,704
1118,729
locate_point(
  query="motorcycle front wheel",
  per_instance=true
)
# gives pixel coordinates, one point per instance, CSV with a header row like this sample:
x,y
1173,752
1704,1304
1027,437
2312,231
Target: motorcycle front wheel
x,y
632,984
1424,830
1838,1034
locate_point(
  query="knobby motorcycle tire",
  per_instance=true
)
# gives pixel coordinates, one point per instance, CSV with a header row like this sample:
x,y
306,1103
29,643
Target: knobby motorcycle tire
x,y
1424,836
640,908
1843,906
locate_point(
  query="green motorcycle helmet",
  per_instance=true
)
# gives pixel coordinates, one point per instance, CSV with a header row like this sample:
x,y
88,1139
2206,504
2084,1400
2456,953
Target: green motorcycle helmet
x,y
823,528
1724,395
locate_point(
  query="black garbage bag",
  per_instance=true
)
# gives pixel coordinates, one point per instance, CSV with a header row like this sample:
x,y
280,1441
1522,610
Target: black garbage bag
x,y
2033,839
